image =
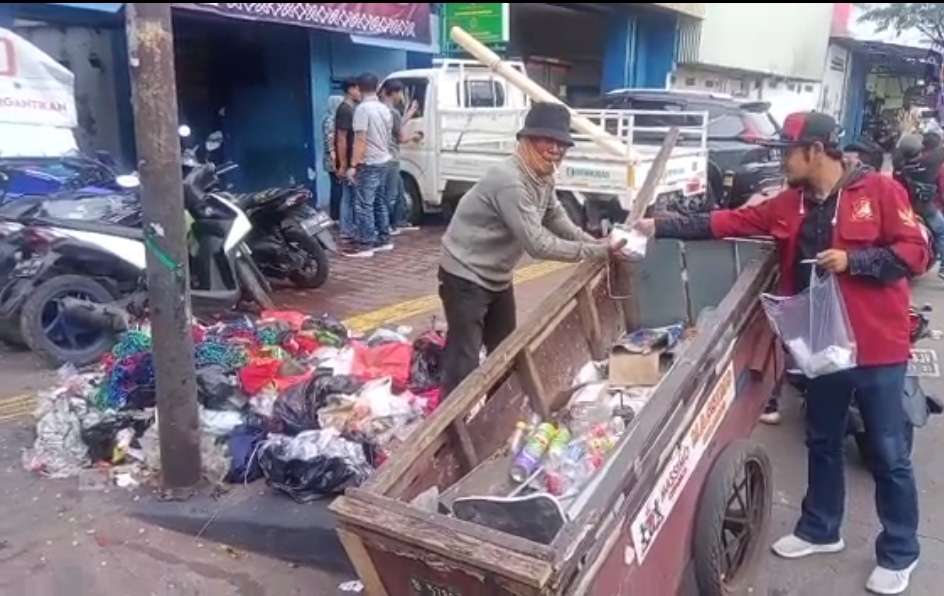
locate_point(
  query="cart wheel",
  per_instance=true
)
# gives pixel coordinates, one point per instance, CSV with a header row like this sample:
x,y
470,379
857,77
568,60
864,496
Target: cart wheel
x,y
732,520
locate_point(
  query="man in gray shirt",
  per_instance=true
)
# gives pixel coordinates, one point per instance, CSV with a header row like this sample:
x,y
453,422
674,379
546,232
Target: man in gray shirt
x,y
511,211
373,125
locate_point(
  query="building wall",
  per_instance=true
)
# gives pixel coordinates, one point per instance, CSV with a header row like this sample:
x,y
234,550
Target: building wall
x,y
786,40
335,57
88,52
835,79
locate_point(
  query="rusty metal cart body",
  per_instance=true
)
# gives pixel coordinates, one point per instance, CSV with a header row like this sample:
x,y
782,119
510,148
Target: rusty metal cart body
x,y
682,502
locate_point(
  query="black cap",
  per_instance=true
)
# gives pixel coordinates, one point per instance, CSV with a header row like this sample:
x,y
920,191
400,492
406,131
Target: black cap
x,y
806,128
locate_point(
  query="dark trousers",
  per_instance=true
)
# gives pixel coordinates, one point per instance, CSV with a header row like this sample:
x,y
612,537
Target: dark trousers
x,y
334,206
878,392
475,316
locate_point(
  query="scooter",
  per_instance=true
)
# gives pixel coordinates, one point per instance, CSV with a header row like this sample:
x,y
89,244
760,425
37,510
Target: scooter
x,y
74,267
290,240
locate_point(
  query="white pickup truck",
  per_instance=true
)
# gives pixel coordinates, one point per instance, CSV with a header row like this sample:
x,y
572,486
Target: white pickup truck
x,y
468,120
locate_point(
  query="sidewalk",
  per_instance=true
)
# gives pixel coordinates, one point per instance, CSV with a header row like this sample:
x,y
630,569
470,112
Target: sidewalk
x,y
844,574
58,541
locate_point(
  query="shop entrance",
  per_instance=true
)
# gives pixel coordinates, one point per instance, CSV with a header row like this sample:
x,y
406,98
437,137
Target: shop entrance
x,y
251,81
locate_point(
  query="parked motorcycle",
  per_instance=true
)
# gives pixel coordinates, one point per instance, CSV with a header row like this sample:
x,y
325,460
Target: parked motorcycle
x,y
290,240
75,269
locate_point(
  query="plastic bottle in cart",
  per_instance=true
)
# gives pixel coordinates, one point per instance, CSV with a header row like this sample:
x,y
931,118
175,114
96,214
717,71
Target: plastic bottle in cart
x,y
555,468
586,416
529,458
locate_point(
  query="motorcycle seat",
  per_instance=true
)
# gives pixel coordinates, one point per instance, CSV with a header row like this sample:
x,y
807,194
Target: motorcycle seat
x,y
96,227
246,200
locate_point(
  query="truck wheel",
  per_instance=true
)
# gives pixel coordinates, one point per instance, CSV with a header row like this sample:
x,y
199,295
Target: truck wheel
x,y
415,200
732,519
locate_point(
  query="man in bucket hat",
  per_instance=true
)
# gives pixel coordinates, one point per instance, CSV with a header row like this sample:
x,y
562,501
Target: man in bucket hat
x,y
858,225
511,211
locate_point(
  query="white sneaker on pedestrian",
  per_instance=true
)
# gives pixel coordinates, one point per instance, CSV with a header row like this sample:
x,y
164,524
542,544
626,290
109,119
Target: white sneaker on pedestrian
x,y
359,254
396,232
793,547
886,581
386,247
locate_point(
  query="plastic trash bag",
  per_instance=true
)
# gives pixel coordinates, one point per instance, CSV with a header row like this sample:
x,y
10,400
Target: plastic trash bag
x,y
385,360
635,245
243,446
315,464
814,326
297,408
426,363
218,389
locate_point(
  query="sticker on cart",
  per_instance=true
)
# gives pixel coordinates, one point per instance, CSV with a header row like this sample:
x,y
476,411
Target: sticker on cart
x,y
682,463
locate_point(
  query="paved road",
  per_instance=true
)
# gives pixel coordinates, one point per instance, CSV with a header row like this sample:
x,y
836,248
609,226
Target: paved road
x,y
56,540
845,574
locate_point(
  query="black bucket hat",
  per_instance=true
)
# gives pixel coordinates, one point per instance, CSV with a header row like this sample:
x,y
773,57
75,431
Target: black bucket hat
x,y
549,121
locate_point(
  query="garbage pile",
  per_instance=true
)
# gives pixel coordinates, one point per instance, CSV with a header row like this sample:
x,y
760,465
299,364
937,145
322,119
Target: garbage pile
x,y
293,399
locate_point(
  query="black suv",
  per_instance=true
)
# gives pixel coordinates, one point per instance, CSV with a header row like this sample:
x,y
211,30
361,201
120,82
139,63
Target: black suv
x,y
739,166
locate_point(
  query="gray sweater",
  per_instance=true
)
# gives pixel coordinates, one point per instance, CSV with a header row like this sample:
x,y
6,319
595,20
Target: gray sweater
x,y
506,214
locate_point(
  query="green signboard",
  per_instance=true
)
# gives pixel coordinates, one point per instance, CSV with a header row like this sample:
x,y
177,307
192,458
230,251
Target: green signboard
x,y
489,23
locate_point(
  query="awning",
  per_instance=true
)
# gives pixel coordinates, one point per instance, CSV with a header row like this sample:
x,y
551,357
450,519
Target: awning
x,y
401,22
408,46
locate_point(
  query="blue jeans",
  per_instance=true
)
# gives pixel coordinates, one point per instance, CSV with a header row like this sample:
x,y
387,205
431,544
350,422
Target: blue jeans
x,y
935,222
370,206
346,224
396,201
878,390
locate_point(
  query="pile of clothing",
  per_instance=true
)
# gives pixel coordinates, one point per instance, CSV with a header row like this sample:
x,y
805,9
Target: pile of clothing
x,y
294,399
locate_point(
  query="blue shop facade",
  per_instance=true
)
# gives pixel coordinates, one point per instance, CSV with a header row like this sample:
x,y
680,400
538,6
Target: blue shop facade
x,y
263,73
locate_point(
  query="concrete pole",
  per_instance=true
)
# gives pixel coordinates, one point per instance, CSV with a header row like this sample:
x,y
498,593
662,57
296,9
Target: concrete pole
x,y
154,97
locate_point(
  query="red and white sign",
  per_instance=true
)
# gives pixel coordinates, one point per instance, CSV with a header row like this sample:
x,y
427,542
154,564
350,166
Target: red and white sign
x,y
688,452
34,88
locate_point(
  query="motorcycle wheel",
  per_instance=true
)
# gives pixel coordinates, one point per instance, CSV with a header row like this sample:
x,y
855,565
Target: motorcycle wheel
x,y
316,270
252,287
54,339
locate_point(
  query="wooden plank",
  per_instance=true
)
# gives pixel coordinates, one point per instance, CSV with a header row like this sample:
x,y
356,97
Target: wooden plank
x,y
532,386
479,382
465,443
647,192
363,564
454,544
480,533
590,320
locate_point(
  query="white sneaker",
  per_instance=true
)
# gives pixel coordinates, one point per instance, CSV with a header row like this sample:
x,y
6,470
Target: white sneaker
x,y
886,581
792,547
359,254
384,247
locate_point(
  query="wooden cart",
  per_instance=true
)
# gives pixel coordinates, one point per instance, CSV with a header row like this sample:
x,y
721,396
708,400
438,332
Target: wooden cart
x,y
680,506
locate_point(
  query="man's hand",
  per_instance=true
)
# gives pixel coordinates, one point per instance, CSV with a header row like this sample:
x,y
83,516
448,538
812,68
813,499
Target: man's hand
x,y
833,260
616,249
350,174
646,227
412,110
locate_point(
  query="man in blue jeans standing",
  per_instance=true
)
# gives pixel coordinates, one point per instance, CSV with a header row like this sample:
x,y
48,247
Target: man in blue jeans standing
x,y
373,125
391,94
858,225
342,199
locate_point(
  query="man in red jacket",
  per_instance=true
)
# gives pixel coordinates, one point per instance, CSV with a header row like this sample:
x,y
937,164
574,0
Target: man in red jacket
x,y
858,225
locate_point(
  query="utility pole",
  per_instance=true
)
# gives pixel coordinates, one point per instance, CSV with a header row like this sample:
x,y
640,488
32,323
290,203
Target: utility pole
x,y
154,96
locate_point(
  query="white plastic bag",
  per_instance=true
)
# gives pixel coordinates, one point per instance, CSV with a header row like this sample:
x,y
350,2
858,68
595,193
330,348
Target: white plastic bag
x,y
814,326
636,242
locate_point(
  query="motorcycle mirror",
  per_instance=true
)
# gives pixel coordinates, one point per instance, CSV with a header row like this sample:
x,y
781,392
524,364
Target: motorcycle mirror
x,y
214,141
128,181
184,131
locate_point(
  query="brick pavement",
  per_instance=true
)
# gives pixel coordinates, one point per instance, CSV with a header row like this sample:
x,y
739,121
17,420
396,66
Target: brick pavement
x,y
358,286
